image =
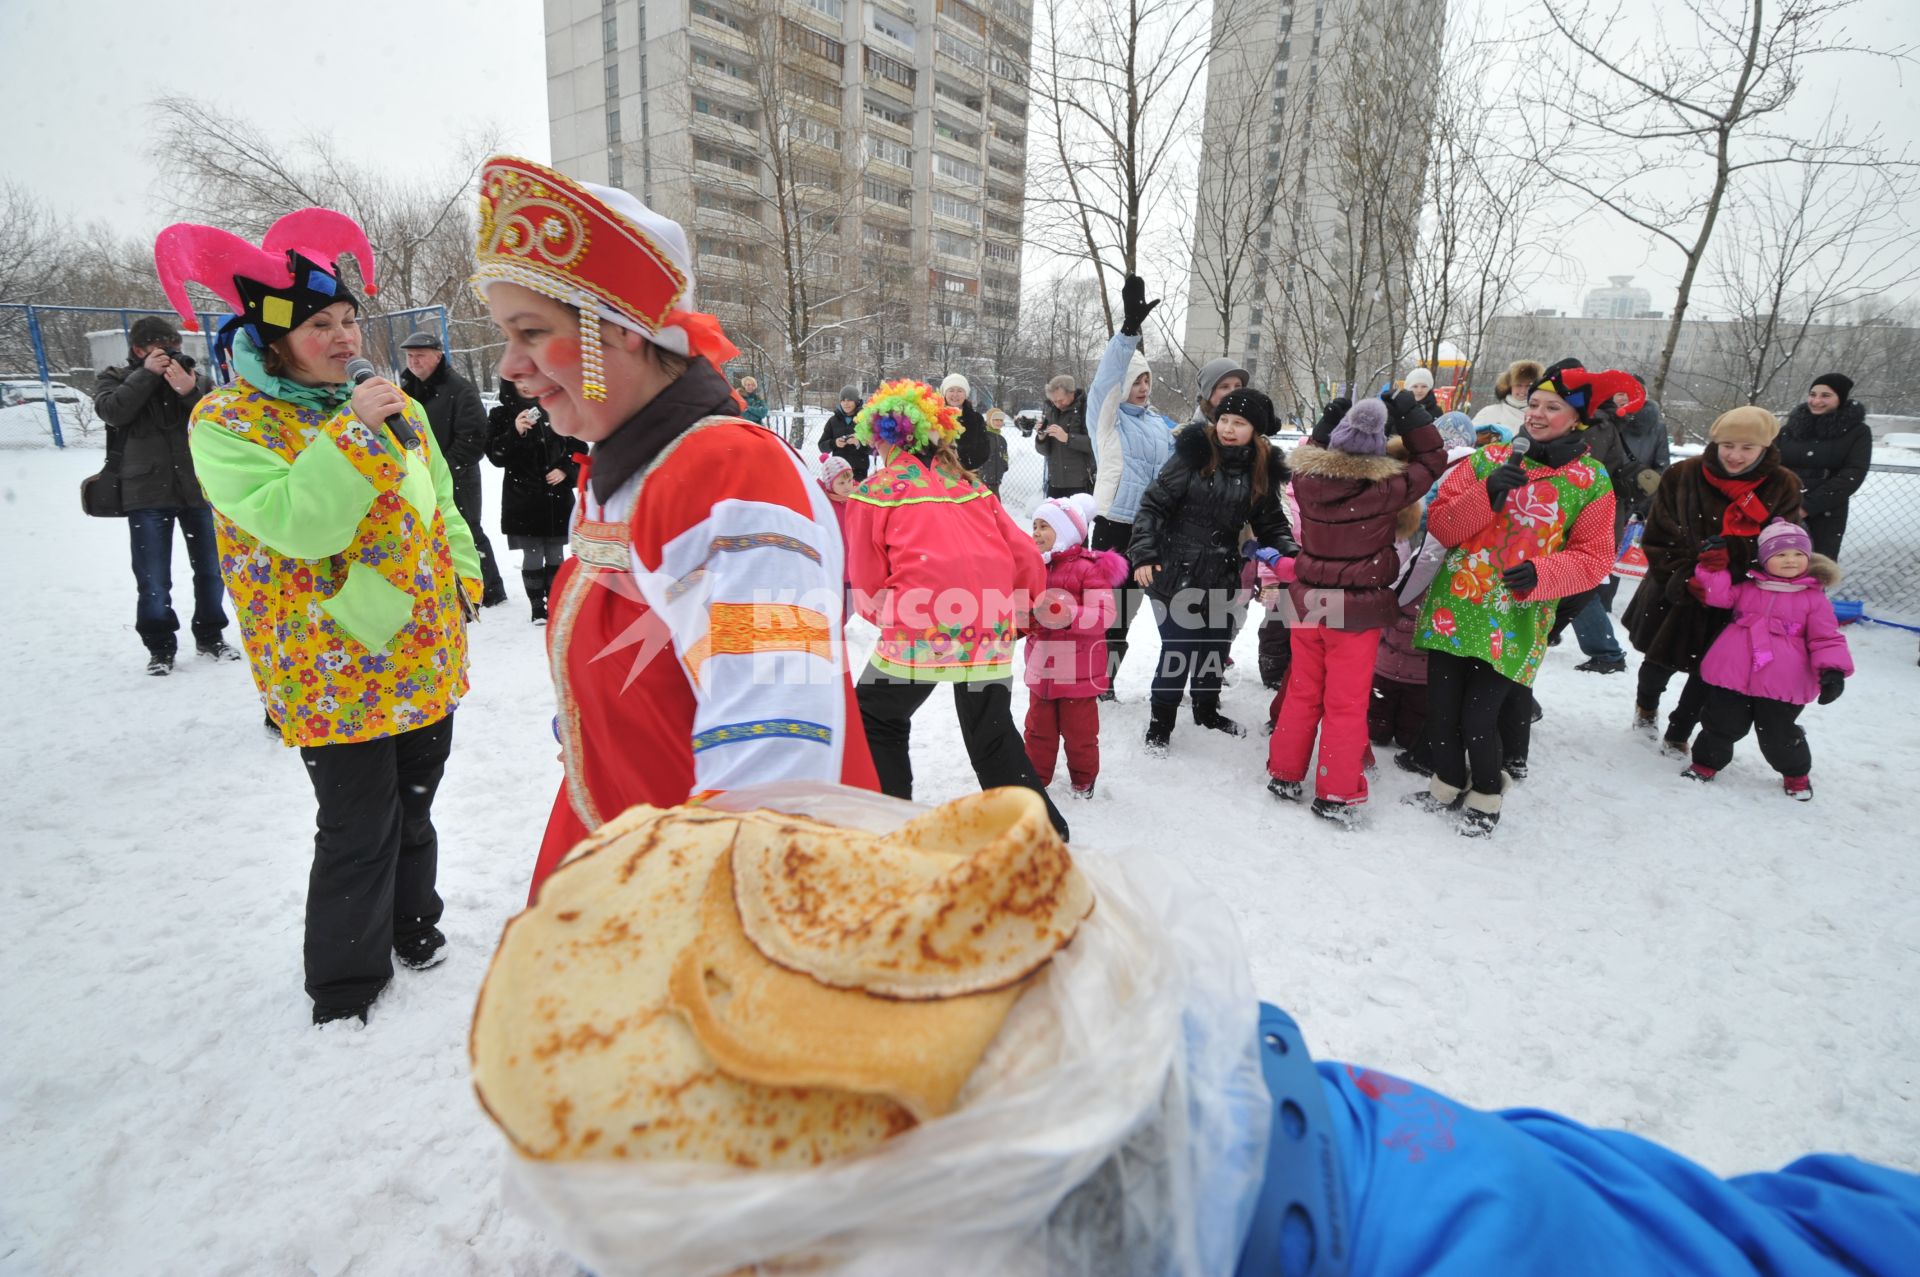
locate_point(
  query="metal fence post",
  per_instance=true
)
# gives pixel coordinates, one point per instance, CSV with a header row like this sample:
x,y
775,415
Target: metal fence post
x,y
46,378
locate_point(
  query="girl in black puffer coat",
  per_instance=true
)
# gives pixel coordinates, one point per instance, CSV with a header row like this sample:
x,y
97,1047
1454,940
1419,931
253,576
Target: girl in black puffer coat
x,y
536,495
1827,442
1186,551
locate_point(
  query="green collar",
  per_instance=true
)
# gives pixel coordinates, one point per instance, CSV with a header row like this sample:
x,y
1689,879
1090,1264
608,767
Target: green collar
x,y
248,364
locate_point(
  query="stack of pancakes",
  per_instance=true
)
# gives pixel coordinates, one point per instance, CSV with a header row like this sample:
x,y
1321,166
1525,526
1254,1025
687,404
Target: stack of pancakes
x,y
766,990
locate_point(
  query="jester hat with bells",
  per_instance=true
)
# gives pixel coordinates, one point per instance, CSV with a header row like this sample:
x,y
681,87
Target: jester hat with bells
x,y
597,249
274,288
1585,391
908,415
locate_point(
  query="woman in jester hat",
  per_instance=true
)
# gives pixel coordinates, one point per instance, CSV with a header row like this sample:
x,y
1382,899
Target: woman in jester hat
x,y
350,570
695,633
1525,528
947,575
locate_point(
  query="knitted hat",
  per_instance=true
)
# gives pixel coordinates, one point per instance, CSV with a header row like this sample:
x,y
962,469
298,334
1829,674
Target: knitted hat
x,y
1419,378
1363,431
850,392
1215,371
1251,404
1838,382
1069,517
1746,424
273,289
1456,429
955,379
597,249
1781,535
1585,391
832,466
909,415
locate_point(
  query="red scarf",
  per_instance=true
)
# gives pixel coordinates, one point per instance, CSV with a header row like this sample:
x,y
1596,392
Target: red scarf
x,y
1746,513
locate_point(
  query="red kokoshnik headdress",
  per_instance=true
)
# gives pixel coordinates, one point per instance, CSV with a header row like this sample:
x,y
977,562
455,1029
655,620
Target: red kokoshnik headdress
x,y
273,288
595,248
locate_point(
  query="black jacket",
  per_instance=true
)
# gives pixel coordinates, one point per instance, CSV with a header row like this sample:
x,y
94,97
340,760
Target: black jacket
x,y
1831,454
975,444
1189,522
1069,464
454,410
529,505
147,432
855,454
1635,451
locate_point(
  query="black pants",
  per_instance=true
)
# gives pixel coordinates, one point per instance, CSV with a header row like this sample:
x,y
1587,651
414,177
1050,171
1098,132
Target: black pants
x,y
1397,714
375,855
1072,490
1693,697
1827,531
467,500
1516,725
1193,648
1127,597
1464,699
994,744
1728,717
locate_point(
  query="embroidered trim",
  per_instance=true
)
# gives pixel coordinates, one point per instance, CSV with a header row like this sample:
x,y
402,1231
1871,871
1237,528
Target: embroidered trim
x,y
563,612
743,629
604,545
764,729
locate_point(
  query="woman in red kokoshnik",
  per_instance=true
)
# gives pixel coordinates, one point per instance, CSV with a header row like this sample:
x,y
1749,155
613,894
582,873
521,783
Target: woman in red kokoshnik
x,y
695,634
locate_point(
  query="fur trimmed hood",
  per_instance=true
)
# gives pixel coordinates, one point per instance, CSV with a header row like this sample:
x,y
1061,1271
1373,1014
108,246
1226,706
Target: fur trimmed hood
x,y
1310,460
1801,422
1407,522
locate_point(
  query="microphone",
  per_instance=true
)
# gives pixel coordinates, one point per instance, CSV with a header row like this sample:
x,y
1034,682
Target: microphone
x,y
361,370
1520,446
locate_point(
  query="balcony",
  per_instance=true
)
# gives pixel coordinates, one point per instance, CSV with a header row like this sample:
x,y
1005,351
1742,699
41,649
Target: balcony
x,y
715,129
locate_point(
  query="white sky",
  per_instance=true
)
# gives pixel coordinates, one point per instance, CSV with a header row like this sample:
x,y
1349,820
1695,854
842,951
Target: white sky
x,y
389,80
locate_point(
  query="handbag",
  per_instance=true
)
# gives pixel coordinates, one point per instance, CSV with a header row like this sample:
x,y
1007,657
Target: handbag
x,y
100,493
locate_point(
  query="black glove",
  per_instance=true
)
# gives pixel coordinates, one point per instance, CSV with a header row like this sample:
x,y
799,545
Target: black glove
x,y
1832,683
1404,413
1504,479
1521,577
1330,418
1134,305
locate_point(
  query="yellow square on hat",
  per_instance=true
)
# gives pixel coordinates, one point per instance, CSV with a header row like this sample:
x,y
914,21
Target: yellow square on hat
x,y
277,311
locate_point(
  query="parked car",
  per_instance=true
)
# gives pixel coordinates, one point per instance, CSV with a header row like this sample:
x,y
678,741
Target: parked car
x,y
21,391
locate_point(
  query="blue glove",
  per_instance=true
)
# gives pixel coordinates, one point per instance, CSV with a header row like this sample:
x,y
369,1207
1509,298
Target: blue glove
x,y
1259,553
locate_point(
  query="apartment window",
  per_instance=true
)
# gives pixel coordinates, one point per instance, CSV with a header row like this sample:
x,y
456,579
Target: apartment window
x,y
885,148
893,352
714,13
832,8
811,41
961,50
611,75
950,317
1012,106
952,245
958,209
721,246
613,124
1005,68
1012,137
998,252
892,115
609,34
1006,168
958,96
955,284
725,66
957,170
1003,225
725,158
889,68
886,236
616,170
721,111
812,87
953,133
1253,342
812,130
890,25
887,193
965,14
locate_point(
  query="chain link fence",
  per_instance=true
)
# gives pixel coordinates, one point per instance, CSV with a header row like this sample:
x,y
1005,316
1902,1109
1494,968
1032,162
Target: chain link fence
x,y
1881,553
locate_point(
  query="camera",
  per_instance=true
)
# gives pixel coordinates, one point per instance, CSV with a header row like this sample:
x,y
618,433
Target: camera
x,y
180,357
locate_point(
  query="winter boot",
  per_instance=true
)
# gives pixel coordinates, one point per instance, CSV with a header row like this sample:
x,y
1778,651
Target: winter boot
x,y
1799,788
1676,747
1287,791
427,949
1515,767
217,650
1646,721
1438,796
1081,792
1481,812
1409,760
1601,665
1160,728
160,664
327,1015
1695,771
1206,712
1538,713
535,582
1333,811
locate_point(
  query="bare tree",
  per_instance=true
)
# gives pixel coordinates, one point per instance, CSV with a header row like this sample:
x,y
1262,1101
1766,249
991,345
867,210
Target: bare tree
x,y
1696,117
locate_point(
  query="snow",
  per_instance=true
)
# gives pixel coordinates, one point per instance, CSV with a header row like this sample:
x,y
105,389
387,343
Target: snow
x,y
1719,969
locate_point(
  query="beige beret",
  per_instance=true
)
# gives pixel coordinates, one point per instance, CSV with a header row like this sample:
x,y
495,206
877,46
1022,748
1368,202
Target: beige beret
x,y
1745,425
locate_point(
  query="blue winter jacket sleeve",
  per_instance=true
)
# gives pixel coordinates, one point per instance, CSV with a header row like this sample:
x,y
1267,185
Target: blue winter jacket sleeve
x,y
1441,1190
1103,411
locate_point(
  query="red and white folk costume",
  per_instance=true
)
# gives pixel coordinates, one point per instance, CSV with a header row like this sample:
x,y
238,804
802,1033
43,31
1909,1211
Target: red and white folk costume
x,y
695,635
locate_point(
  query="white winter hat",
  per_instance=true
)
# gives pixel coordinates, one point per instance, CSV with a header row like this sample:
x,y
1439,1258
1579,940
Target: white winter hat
x,y
1069,517
1420,377
955,379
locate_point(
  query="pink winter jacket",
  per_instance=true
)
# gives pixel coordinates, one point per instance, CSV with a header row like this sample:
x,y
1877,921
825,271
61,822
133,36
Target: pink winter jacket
x,y
1067,647
1782,635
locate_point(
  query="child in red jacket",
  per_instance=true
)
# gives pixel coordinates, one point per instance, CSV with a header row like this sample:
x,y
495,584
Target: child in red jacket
x,y
1067,647
948,577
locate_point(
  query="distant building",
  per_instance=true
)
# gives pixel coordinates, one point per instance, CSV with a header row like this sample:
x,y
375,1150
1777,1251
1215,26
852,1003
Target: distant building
x,y
1619,301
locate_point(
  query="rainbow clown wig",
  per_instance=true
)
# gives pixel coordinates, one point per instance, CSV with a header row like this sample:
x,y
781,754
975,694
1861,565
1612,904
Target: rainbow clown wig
x,y
908,415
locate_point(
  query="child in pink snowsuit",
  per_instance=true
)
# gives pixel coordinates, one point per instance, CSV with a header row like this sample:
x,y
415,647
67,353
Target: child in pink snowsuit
x,y
1783,649
837,478
1067,647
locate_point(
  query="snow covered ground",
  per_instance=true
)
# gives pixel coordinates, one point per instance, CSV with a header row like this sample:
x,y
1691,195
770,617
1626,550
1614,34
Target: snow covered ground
x,y
1722,970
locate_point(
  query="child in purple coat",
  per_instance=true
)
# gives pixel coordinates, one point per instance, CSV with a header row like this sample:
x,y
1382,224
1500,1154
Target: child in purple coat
x,y
1782,650
1067,648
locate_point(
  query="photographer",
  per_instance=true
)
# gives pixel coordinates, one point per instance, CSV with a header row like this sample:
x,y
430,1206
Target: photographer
x,y
146,405
459,424
536,495
836,437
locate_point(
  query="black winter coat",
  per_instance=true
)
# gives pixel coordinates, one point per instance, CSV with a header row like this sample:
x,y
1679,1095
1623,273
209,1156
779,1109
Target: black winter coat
x,y
454,410
1189,522
529,505
1069,464
1665,622
975,444
1831,454
147,432
855,454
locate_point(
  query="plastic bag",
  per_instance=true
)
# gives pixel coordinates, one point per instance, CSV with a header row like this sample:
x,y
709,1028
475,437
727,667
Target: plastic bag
x,y
1117,1125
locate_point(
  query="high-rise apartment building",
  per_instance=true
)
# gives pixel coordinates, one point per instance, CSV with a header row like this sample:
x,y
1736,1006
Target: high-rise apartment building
x,y
1619,300
1310,165
877,145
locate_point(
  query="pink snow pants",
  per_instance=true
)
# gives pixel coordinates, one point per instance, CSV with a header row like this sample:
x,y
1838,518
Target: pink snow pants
x,y
1328,686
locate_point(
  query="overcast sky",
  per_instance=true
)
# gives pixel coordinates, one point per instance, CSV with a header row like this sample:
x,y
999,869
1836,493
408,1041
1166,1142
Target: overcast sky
x,y
391,81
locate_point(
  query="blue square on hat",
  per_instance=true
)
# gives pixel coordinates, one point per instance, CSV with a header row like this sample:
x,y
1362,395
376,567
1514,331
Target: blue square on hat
x,y
321,282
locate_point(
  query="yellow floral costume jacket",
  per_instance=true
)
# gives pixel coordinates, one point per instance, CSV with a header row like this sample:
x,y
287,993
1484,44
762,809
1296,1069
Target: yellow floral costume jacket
x,y
344,556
